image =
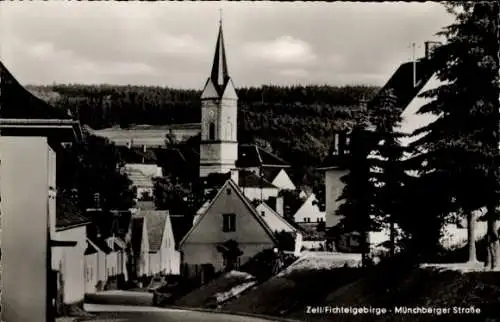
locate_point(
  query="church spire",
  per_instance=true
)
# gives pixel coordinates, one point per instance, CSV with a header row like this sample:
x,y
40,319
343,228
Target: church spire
x,y
220,75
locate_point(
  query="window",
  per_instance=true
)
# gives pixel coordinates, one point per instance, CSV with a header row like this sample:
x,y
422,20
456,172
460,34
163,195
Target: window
x,y
228,223
262,213
228,191
211,131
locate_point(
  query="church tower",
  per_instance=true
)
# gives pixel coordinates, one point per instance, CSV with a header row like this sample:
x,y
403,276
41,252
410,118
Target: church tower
x,y
219,107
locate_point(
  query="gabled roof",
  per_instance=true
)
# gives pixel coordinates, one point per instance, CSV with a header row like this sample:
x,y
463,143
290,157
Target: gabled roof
x,y
250,155
248,179
156,220
401,82
277,222
100,244
271,173
231,184
18,103
91,248
68,215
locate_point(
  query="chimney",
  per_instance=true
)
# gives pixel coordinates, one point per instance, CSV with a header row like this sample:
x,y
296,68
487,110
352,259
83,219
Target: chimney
x,y
280,206
430,46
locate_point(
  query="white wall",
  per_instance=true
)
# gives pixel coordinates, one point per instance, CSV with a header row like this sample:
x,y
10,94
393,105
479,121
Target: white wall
x,y
72,262
91,273
150,170
309,210
255,193
333,190
283,181
24,195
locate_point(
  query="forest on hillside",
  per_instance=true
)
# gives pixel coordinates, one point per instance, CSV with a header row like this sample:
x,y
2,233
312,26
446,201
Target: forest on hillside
x,y
295,122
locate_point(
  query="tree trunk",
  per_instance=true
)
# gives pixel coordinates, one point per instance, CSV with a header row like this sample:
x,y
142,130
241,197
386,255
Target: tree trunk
x,y
471,236
492,243
393,238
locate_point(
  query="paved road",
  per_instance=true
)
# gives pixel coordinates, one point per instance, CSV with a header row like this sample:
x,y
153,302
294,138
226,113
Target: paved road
x,y
126,306
152,314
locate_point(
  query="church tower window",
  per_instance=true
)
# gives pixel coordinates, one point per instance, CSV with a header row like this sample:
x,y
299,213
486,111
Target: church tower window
x,y
211,131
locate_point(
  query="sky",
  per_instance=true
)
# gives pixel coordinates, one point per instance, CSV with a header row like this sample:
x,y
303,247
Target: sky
x,y
172,43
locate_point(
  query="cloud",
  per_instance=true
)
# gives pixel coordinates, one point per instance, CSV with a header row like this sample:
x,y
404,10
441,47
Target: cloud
x,y
283,50
300,73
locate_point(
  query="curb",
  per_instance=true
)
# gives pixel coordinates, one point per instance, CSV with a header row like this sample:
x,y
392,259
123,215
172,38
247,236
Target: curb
x,y
221,311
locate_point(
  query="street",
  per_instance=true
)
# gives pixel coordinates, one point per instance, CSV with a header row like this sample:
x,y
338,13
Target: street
x,y
123,306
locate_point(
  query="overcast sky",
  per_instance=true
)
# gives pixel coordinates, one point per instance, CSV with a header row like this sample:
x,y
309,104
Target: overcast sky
x,y
172,43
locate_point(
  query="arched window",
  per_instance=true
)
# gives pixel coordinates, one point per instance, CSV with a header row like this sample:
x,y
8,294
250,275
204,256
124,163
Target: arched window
x,y
211,131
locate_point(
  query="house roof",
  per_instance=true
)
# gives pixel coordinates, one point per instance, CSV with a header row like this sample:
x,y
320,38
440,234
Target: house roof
x,y
231,184
251,155
18,103
91,248
270,173
68,215
401,82
155,225
100,244
277,222
248,179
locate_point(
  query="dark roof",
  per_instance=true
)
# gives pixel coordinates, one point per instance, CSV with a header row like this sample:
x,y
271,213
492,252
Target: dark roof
x,y
90,249
137,155
401,82
270,173
155,222
219,65
250,155
18,102
101,243
68,215
248,179
137,228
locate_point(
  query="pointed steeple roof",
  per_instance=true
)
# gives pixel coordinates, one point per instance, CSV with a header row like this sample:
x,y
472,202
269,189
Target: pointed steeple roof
x,y
219,76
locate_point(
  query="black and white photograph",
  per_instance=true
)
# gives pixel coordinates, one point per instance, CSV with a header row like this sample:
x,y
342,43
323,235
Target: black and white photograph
x,y
250,161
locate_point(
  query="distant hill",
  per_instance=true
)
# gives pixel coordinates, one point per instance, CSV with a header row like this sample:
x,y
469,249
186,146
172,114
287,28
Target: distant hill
x,y
295,122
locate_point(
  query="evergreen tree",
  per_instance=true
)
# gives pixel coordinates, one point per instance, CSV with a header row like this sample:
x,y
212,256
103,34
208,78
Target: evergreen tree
x,y
357,209
461,146
389,171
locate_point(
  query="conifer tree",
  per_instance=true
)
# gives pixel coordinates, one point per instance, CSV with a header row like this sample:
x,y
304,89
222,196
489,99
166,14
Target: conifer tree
x,y
461,146
387,161
357,210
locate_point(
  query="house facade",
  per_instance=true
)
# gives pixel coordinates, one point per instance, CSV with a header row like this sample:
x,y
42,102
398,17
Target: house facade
x,y
163,257
309,212
139,261
277,224
230,216
69,262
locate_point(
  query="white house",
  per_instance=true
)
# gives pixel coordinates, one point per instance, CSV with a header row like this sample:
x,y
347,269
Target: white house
x,y
277,223
69,262
140,248
230,216
255,187
309,212
95,268
163,257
